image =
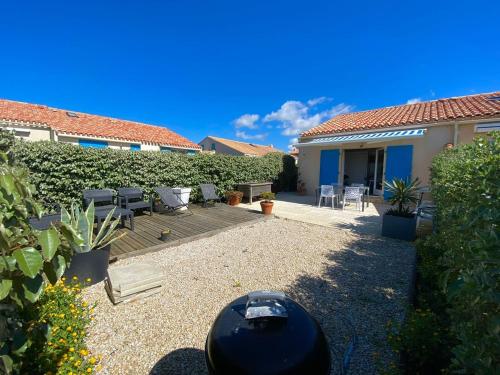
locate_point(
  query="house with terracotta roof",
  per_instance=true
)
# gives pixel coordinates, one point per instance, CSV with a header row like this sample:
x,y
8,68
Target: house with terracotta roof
x,y
374,146
230,147
37,122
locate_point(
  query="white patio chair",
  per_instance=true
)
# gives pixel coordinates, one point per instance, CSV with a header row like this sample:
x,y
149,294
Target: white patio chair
x,y
353,193
327,191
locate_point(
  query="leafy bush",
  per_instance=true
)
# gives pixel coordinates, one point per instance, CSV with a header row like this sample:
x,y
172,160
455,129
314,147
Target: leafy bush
x,y
62,307
458,278
466,186
61,171
28,259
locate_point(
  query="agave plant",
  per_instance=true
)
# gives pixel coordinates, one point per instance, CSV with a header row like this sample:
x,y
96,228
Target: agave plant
x,y
404,193
78,228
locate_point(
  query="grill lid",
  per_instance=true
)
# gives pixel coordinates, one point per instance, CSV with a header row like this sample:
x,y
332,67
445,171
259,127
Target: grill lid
x,y
266,333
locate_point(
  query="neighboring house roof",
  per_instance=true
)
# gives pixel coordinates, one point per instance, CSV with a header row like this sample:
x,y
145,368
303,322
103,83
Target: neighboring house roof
x,y
245,148
452,109
83,124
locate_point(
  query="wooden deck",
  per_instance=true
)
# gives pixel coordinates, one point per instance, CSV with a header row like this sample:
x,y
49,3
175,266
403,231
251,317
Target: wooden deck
x,y
184,227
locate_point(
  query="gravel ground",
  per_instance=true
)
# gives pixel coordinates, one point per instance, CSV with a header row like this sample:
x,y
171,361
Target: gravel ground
x,y
350,282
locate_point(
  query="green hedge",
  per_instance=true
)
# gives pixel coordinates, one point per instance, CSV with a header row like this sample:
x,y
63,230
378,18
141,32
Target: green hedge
x,y
61,171
466,187
458,269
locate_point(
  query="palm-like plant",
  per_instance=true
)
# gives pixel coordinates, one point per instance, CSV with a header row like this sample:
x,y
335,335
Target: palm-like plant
x,y
404,193
77,227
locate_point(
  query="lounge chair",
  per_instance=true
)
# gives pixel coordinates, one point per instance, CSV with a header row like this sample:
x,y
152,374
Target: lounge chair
x,y
209,194
172,202
133,199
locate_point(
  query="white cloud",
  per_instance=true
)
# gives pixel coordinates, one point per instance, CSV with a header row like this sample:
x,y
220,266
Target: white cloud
x,y
413,100
295,117
314,102
247,121
243,135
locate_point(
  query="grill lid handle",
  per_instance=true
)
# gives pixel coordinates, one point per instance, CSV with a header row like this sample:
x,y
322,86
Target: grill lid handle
x,y
266,304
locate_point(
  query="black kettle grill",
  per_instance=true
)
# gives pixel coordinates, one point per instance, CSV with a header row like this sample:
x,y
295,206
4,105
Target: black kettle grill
x,y
266,333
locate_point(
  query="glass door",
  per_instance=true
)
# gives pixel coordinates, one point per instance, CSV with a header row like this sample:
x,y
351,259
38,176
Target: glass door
x,y
379,172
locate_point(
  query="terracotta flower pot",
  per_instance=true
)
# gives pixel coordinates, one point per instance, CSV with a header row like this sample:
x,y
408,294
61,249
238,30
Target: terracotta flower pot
x,y
234,200
267,207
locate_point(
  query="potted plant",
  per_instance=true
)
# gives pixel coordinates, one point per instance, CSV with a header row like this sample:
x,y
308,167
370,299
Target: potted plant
x,y
267,202
400,221
90,258
233,197
165,234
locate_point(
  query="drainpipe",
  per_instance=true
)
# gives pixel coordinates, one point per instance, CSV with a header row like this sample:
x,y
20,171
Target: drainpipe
x,y
455,134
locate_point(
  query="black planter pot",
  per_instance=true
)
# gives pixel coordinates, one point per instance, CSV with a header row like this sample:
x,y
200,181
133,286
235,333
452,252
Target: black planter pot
x,y
93,265
399,227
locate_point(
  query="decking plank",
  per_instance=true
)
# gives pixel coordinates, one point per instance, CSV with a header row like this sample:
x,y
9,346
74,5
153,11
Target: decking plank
x,y
184,228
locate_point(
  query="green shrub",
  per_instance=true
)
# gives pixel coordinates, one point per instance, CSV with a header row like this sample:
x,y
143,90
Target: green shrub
x,y
466,186
458,277
29,258
63,308
61,171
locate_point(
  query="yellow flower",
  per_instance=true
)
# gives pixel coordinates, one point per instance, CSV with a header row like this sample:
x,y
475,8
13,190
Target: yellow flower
x,y
84,352
98,368
88,279
61,316
84,304
89,370
73,334
69,329
78,363
92,360
61,340
71,350
75,278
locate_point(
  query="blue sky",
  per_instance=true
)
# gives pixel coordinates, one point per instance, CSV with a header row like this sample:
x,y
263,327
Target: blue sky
x,y
198,66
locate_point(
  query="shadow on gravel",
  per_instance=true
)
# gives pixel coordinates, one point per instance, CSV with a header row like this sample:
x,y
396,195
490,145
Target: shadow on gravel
x,y
361,288
185,361
363,225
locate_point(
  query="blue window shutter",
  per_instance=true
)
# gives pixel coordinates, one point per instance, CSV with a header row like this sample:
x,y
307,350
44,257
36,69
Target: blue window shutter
x,y
191,152
213,147
92,143
329,167
165,149
398,164
135,147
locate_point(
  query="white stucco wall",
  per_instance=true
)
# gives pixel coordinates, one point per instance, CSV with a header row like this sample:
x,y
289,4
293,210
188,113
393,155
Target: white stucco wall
x,y
29,133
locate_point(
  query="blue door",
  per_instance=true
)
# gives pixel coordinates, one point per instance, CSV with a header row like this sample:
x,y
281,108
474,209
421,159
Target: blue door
x,y
398,163
329,167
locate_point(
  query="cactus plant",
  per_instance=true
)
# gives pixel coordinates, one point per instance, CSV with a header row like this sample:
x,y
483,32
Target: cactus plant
x,y
77,227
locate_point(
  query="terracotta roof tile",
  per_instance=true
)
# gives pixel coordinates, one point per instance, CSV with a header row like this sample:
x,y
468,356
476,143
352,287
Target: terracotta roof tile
x,y
442,110
83,124
246,148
